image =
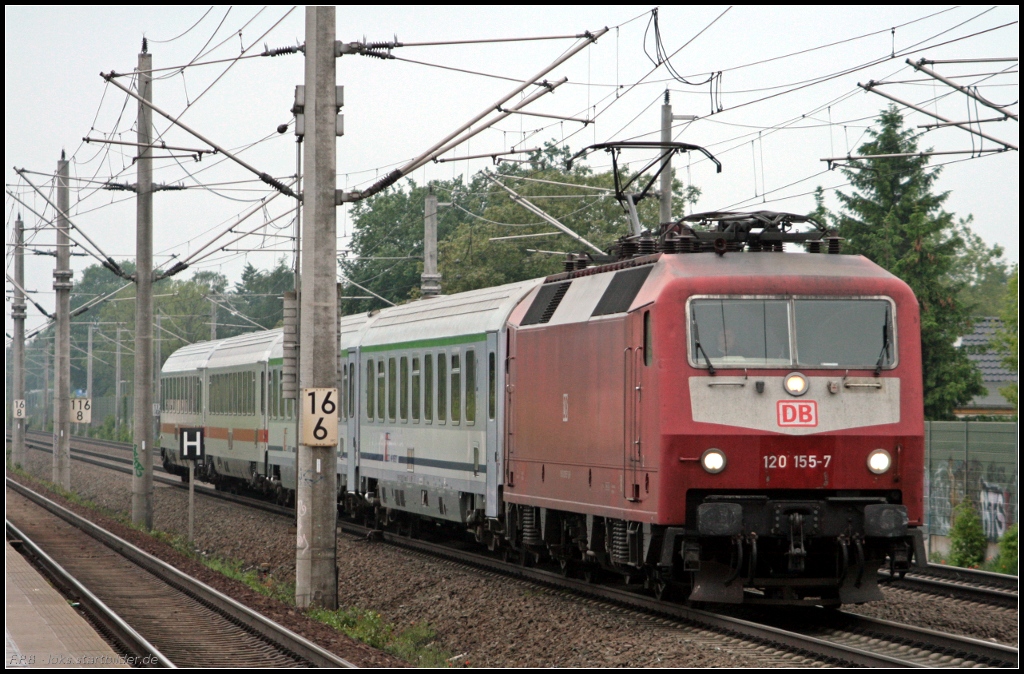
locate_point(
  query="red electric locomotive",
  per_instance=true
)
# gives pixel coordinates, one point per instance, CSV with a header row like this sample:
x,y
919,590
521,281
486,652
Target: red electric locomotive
x,y
723,420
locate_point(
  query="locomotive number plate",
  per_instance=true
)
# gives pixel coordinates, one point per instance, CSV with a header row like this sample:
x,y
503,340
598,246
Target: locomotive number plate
x,y
785,470
783,461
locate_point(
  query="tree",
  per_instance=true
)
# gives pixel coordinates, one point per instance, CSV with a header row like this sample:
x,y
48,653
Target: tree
x,y
983,272
387,244
967,537
894,218
1005,341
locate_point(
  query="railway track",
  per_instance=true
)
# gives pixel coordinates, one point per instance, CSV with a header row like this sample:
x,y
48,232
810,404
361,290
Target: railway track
x,y
154,609
835,637
954,582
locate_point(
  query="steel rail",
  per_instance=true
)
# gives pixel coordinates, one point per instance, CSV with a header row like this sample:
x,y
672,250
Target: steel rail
x,y
957,583
114,624
120,465
807,638
222,603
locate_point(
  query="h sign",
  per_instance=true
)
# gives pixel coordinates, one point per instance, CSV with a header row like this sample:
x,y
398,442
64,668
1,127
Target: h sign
x,y
191,444
797,413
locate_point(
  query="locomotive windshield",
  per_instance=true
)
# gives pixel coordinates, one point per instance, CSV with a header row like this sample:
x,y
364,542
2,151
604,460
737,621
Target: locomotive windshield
x,y
810,333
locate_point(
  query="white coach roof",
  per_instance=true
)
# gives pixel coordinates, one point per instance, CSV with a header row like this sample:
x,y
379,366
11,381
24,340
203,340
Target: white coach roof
x,y
469,313
254,347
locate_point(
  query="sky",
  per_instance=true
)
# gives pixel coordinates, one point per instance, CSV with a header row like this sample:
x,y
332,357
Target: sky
x,y
783,94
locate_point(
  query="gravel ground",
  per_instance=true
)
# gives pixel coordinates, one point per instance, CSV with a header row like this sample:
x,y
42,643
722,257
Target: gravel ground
x,y
944,614
328,638
484,619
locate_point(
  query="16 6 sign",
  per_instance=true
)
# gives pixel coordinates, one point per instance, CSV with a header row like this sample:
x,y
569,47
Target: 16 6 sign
x,y
319,417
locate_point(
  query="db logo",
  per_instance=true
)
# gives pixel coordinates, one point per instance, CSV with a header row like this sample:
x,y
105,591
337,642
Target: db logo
x,y
794,413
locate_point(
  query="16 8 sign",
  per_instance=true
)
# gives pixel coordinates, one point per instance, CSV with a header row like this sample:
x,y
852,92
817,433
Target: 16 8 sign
x,y
320,417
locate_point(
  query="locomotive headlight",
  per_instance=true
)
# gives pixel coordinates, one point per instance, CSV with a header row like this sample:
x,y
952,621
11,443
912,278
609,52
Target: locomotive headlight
x,y
713,460
795,384
879,461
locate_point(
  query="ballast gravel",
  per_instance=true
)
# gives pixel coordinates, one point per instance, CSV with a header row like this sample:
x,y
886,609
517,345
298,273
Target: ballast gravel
x,y
481,618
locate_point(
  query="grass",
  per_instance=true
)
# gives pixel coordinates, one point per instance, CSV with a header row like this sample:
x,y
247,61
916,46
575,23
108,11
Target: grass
x,y
415,644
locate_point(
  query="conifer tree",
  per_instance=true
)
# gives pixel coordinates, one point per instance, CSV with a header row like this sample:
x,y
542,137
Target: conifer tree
x,y
894,217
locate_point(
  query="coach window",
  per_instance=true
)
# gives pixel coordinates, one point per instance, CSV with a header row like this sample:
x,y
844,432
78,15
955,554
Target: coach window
x,y
470,388
275,388
343,393
442,388
492,385
380,390
392,388
428,388
403,388
415,390
370,382
456,389
263,392
648,340
351,391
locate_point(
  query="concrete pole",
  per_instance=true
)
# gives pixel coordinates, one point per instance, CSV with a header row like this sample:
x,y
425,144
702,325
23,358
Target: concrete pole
x,y
117,384
430,280
298,213
666,173
18,347
47,404
213,321
316,580
142,440
88,364
158,357
62,345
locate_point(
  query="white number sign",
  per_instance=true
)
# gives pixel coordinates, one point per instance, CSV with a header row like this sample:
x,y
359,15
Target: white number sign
x,y
81,410
19,409
319,417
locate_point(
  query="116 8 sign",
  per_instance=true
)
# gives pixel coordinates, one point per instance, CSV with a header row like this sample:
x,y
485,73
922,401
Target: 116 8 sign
x,y
81,410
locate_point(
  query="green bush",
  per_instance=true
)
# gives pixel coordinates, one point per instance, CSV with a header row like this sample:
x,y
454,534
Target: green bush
x,y
1007,560
967,537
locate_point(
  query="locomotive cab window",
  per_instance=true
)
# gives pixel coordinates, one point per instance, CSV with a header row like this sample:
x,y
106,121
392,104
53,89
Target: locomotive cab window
x,y
804,332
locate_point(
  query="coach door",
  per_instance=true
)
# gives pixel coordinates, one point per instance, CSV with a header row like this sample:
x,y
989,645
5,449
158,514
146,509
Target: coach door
x,y
510,408
491,403
352,425
632,411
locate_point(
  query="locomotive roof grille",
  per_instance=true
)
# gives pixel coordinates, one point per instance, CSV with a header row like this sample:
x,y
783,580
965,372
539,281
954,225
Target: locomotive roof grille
x,y
621,292
545,303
